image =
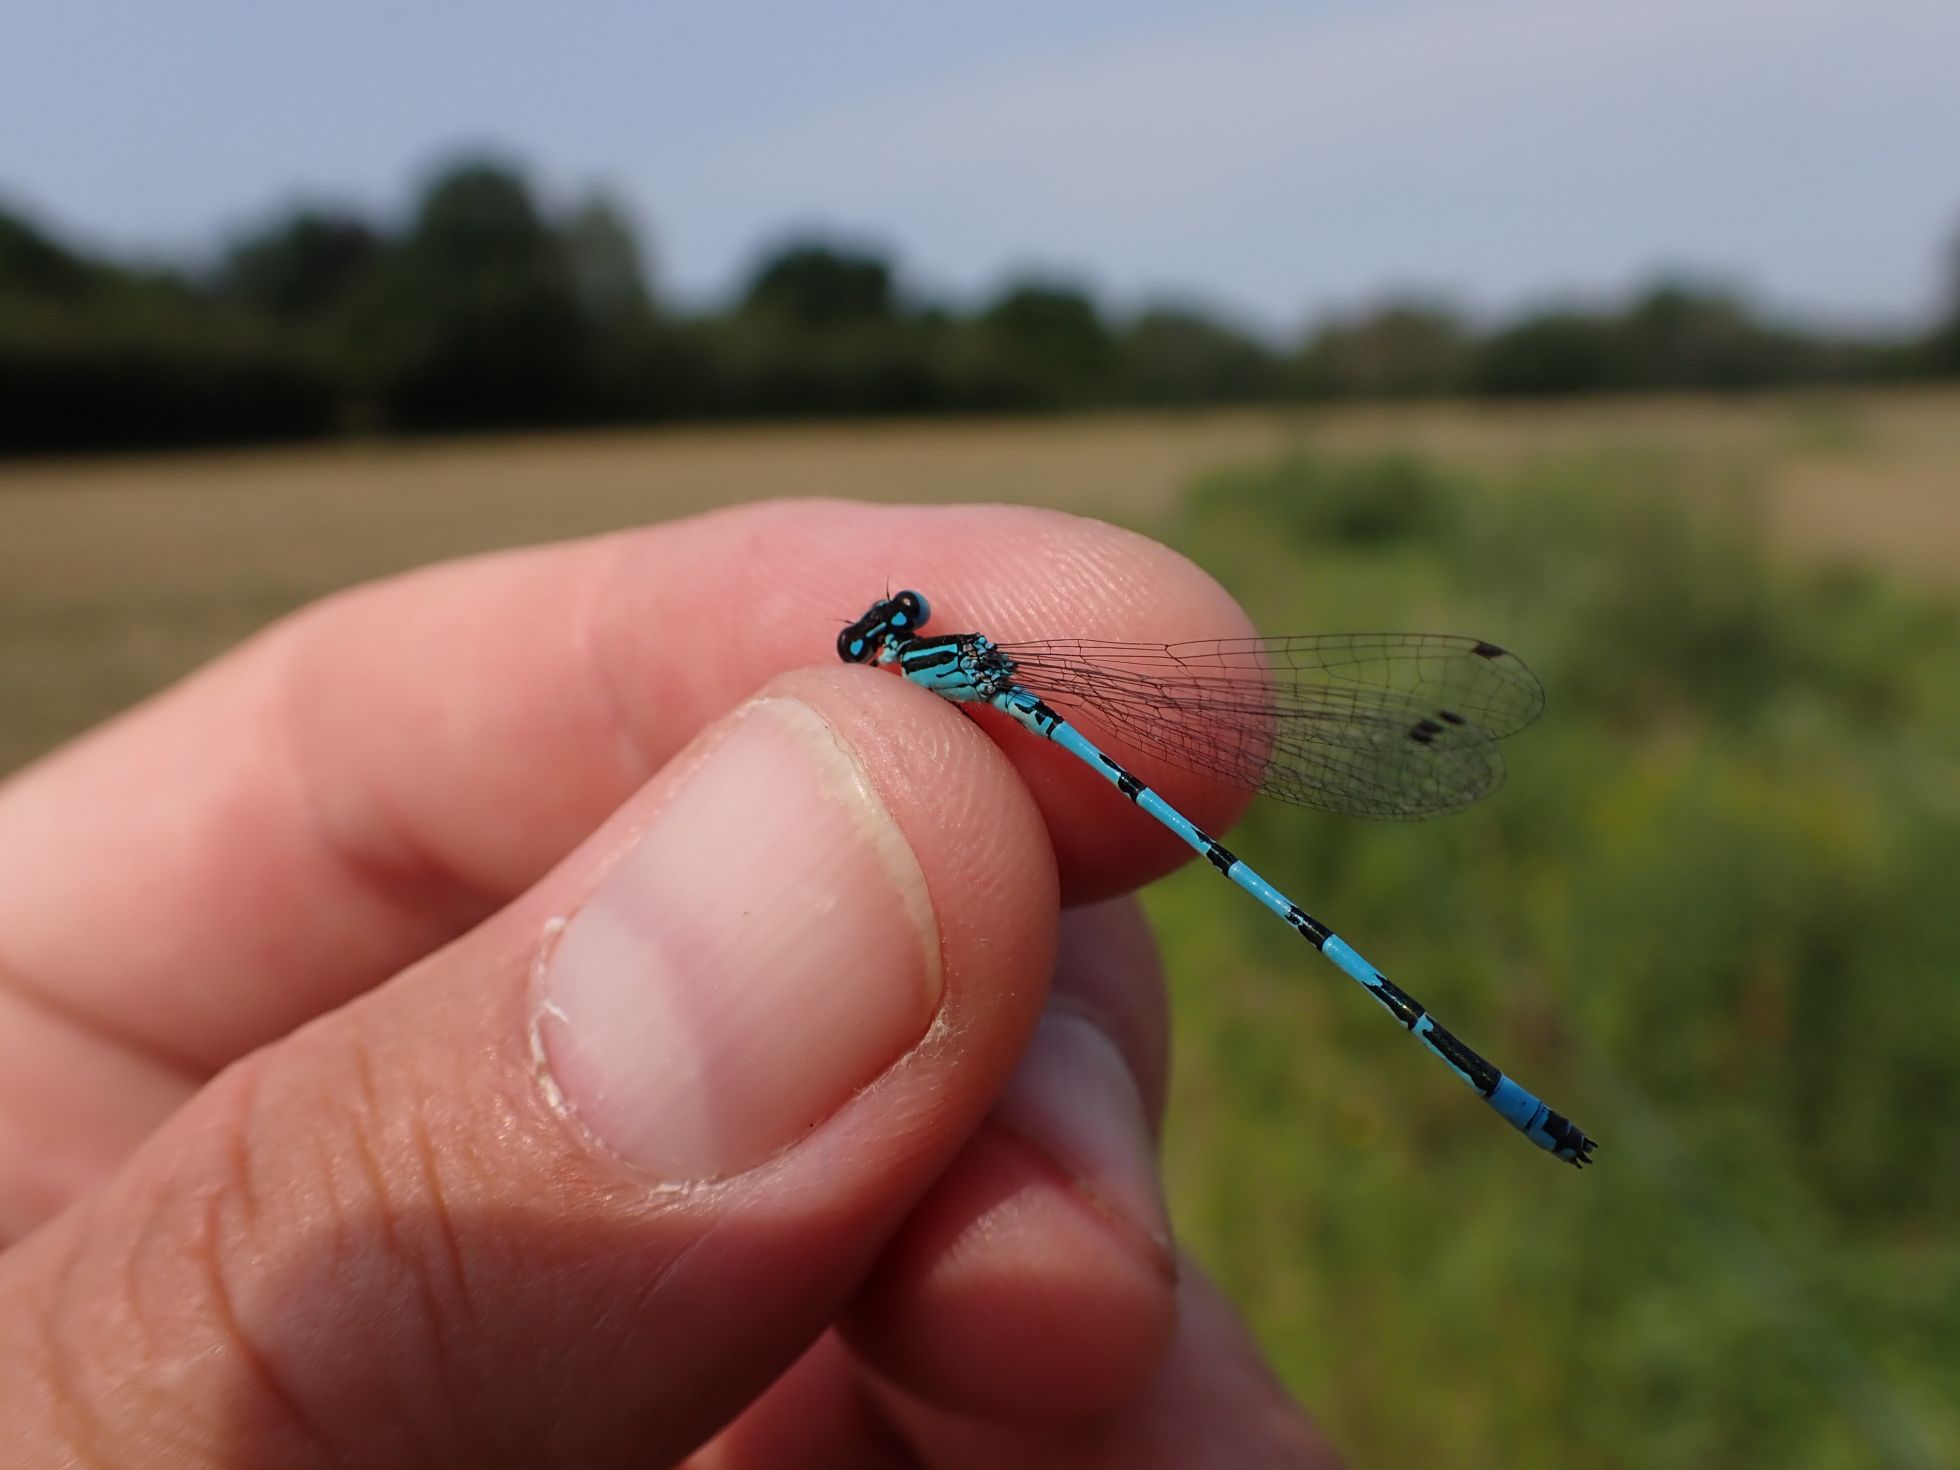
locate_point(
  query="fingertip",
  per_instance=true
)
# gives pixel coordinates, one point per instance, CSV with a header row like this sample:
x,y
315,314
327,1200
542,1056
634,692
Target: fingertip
x,y
1035,1285
1108,969
976,833
1209,1400
1010,1297
817,1416
750,964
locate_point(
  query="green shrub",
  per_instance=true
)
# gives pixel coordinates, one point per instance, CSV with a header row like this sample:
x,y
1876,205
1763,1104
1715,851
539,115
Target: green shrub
x,y
1711,916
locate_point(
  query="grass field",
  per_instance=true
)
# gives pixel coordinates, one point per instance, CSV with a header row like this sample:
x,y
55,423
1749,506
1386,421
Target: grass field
x,y
117,575
1712,915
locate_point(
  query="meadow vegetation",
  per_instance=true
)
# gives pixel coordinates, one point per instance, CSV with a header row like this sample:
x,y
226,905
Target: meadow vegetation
x,y
1712,916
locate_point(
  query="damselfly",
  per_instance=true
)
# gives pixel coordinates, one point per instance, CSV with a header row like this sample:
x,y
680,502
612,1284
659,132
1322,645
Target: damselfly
x,y
1396,725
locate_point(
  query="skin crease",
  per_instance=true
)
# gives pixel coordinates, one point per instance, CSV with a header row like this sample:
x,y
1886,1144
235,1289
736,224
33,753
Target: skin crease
x,y
279,1180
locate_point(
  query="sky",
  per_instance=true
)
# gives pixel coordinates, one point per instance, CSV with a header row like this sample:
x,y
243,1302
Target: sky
x,y
1273,161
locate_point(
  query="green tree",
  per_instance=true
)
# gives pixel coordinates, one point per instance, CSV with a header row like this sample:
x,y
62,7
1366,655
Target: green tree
x,y
302,266
477,317
34,267
1943,353
1684,336
94,355
1175,354
812,284
1402,349
608,272
1053,341
1551,352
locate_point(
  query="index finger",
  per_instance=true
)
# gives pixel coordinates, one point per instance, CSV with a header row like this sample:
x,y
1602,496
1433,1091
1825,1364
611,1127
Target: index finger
x,y
367,779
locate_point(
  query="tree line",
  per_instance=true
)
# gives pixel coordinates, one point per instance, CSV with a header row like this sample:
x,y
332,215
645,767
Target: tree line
x,y
484,309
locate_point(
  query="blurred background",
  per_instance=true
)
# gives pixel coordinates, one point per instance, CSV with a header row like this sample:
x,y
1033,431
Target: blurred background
x,y
1627,337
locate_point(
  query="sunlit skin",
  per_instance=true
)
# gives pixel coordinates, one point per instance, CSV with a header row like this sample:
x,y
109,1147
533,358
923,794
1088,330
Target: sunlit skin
x,y
280,1180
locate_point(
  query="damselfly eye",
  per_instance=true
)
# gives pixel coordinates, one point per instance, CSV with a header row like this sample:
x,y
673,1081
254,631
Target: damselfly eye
x,y
909,610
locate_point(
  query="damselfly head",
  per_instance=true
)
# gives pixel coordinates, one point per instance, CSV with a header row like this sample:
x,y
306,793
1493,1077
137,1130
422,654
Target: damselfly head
x,y
897,617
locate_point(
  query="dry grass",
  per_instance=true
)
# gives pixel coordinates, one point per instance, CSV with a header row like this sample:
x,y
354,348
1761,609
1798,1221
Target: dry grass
x,y
116,575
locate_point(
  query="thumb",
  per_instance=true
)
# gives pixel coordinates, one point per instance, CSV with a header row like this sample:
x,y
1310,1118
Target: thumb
x,y
572,1193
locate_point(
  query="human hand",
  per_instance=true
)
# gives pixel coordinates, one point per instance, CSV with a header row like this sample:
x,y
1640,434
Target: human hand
x,y
464,1026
